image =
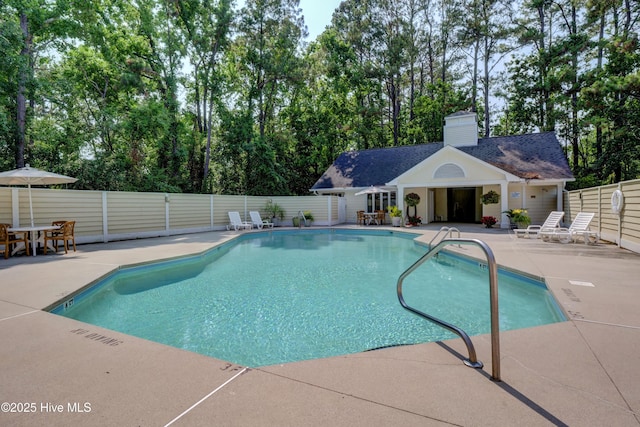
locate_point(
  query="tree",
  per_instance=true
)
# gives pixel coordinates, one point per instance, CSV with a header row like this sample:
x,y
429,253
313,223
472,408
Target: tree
x,y
39,22
613,95
485,33
266,68
206,25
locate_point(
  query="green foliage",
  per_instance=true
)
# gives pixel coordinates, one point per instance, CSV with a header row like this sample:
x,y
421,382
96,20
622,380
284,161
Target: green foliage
x,y
275,210
518,216
412,199
195,96
394,212
490,197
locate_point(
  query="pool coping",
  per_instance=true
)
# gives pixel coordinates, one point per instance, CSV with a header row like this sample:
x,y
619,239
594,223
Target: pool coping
x,y
574,373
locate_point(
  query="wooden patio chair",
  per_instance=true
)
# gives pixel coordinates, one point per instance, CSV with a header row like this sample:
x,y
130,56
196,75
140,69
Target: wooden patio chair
x,y
360,218
64,234
380,216
58,224
10,239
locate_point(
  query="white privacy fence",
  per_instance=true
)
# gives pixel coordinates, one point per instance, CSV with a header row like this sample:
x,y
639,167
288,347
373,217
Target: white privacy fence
x,y
102,216
622,228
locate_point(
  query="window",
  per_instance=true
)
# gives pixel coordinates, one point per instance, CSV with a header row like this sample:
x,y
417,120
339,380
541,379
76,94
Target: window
x,y
448,170
380,201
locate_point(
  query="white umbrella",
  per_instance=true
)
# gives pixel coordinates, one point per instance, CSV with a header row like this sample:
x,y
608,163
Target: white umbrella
x,y
371,190
31,176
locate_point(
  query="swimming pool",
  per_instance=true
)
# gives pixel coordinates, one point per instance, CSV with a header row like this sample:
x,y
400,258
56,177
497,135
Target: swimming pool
x,y
282,296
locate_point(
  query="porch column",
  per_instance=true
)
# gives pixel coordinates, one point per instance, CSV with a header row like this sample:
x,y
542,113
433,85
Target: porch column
x,y
400,199
504,205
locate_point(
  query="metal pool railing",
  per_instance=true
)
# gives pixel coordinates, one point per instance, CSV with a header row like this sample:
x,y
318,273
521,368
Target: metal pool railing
x,y
472,361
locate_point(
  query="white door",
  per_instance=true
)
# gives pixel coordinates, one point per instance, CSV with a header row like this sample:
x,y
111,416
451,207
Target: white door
x,y
342,210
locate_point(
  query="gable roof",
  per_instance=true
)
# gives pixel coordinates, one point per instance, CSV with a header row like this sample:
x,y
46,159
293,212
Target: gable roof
x,y
531,156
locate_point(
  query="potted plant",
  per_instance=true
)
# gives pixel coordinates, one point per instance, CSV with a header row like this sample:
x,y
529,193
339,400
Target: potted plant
x,y
490,198
489,221
308,216
396,215
519,218
414,221
275,211
412,200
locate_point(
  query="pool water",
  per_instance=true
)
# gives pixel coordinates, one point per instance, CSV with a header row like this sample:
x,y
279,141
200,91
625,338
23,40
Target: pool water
x,y
277,297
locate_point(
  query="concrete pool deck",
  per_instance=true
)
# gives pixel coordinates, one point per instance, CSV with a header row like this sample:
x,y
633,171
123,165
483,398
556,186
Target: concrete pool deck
x,y
56,371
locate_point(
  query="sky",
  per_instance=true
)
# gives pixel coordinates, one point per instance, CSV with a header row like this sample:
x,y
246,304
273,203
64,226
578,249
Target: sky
x,y
317,15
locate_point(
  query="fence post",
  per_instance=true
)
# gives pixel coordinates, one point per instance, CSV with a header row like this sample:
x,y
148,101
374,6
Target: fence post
x,y
599,209
620,220
211,210
105,218
167,220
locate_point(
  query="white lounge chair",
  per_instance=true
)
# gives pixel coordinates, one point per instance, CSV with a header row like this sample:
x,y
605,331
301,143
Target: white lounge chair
x,y
257,220
579,228
236,222
550,224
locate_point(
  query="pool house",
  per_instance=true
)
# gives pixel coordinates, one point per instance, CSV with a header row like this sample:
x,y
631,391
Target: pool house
x,y
460,179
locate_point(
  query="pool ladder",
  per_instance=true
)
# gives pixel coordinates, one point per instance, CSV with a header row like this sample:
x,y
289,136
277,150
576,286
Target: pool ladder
x,y
448,232
301,218
472,361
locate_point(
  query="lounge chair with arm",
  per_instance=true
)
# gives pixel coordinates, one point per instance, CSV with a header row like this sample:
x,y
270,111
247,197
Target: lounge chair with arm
x,y
551,223
579,228
236,222
257,220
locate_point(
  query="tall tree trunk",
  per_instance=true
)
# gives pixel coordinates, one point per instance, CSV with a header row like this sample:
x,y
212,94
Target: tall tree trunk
x,y
487,118
21,99
599,141
575,140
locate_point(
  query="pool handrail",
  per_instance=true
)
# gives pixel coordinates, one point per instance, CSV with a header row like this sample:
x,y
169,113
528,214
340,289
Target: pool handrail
x,y
301,218
448,232
472,361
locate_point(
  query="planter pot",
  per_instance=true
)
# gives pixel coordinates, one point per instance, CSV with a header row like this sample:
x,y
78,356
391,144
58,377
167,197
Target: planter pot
x,y
296,221
395,221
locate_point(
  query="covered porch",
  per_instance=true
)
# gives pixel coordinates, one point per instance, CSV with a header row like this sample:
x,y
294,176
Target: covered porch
x,y
463,203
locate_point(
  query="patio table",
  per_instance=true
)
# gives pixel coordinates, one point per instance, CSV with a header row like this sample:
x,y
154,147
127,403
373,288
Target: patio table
x,y
31,231
371,217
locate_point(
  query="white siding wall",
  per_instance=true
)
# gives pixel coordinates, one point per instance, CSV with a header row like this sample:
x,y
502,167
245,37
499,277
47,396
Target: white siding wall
x,y
494,208
538,200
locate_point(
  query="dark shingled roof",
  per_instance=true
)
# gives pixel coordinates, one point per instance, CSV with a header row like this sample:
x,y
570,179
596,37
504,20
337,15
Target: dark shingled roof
x,y
532,156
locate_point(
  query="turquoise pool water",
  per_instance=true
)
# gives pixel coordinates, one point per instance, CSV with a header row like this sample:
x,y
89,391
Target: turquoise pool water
x,y
277,297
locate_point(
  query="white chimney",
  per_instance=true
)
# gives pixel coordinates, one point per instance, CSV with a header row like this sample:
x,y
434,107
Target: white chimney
x,y
461,129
